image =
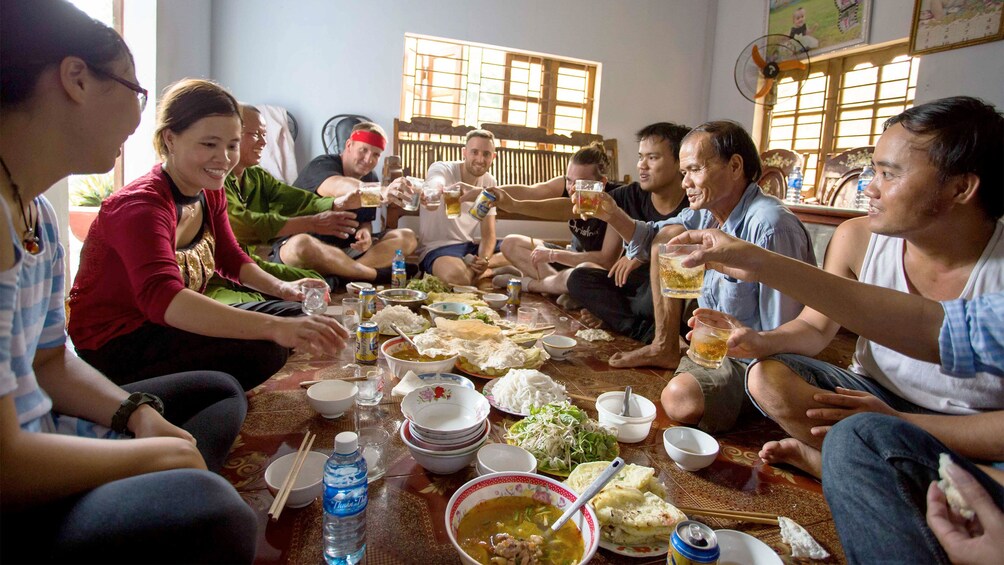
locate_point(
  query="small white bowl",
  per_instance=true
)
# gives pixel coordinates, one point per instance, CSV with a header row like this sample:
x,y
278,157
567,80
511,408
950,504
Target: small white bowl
x,y
401,366
332,398
629,429
308,483
448,310
502,457
495,300
690,448
558,346
355,287
408,436
448,409
537,487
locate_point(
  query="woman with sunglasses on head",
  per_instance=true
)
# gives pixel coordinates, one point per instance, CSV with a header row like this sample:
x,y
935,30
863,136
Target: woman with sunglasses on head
x,y
137,305
91,472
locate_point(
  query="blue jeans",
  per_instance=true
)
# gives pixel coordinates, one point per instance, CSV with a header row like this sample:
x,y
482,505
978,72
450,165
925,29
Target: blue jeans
x,y
176,516
876,471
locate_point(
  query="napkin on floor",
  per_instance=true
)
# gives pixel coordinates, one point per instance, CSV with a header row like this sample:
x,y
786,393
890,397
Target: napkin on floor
x,y
801,541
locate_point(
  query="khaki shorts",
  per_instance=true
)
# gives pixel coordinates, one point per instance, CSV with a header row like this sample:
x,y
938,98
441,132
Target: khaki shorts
x,y
724,389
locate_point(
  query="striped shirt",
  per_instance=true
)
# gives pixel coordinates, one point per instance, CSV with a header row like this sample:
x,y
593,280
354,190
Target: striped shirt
x,y
972,336
32,318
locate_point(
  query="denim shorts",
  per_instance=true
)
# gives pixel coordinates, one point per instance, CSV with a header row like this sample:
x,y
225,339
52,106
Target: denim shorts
x,y
455,250
352,253
823,375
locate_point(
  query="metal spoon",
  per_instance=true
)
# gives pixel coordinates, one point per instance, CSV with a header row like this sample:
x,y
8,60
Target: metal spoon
x,y
394,327
626,410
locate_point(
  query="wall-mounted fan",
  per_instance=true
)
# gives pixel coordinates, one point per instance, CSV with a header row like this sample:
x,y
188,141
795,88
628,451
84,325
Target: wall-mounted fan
x,y
763,61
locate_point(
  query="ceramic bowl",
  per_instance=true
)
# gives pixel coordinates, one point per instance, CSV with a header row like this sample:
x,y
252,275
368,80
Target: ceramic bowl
x,y
690,448
527,485
453,449
629,429
308,483
495,300
441,464
355,287
446,379
403,297
445,409
401,366
463,288
558,346
449,310
502,458
332,398
445,439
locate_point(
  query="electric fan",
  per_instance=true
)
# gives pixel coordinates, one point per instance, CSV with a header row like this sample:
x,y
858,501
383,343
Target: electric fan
x,y
763,61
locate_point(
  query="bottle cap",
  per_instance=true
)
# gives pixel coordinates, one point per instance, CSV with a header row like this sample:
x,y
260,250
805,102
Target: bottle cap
x,y
346,443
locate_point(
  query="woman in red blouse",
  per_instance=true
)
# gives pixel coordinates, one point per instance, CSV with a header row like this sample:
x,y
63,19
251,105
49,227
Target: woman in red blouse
x,y
137,307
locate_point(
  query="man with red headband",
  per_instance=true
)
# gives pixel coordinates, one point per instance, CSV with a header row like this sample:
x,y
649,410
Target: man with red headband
x,y
367,256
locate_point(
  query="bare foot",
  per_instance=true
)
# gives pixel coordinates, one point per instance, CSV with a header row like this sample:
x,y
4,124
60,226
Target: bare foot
x,y
794,453
648,356
587,319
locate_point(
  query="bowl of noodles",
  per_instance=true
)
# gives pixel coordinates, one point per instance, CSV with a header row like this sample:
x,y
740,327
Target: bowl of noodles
x,y
505,515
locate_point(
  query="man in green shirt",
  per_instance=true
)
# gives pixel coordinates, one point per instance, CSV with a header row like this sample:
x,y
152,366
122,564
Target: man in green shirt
x,y
262,208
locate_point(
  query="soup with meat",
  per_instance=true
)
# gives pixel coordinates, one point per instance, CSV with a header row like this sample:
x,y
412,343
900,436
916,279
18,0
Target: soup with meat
x,y
512,528
409,353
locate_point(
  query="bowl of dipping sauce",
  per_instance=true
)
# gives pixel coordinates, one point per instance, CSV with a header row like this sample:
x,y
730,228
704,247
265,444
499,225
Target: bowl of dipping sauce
x,y
402,357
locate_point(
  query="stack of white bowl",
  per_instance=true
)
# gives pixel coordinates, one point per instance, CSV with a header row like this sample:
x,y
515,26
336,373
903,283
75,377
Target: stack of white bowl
x,y
444,426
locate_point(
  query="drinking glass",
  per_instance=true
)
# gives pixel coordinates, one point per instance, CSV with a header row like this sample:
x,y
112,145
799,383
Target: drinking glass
x,y
433,192
370,194
415,185
676,280
352,311
709,341
373,443
371,388
527,316
451,196
315,297
587,196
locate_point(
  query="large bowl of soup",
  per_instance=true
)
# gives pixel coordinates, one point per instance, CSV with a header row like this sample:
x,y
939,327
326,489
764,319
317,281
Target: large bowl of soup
x,y
402,357
508,511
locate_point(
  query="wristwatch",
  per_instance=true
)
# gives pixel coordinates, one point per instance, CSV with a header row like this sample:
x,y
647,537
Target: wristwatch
x,y
129,405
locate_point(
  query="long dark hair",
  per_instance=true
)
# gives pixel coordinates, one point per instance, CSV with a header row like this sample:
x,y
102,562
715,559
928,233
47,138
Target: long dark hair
x,y
188,101
35,34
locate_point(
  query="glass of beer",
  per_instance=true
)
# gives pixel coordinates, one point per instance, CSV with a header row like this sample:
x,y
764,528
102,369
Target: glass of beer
x,y
451,195
587,196
709,341
676,280
370,194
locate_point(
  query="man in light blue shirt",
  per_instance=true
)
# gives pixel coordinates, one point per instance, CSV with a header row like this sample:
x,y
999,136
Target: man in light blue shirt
x,y
721,165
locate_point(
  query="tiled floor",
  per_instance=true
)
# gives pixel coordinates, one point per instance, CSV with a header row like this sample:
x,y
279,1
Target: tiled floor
x,y
405,515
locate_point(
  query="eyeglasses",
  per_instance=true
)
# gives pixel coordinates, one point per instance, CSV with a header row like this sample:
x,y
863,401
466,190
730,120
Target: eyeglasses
x,y
141,93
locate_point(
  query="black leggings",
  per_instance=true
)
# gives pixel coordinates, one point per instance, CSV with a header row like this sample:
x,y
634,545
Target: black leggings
x,y
153,350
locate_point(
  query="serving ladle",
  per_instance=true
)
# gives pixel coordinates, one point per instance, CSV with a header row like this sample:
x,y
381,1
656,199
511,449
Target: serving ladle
x,y
394,327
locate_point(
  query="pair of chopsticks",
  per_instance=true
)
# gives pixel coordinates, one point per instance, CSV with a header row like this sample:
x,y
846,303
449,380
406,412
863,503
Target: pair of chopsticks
x,y
308,384
753,517
587,398
287,485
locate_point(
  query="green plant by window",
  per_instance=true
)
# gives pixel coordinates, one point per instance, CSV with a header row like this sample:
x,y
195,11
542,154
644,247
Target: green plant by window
x,y
90,190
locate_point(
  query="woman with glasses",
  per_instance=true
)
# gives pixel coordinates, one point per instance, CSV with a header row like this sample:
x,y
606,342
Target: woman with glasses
x,y
91,472
138,306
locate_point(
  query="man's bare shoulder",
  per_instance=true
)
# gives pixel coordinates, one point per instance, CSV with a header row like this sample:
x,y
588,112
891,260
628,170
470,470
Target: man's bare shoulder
x,y
846,251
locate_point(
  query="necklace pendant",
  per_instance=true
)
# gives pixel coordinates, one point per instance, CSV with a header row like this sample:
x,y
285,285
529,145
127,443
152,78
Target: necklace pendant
x,y
31,245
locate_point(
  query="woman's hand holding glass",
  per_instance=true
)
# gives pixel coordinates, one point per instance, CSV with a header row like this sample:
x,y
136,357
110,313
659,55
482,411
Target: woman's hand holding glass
x,y
605,207
318,334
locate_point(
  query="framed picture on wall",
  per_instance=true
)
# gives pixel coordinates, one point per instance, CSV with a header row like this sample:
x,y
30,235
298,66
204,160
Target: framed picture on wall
x,y
820,25
940,25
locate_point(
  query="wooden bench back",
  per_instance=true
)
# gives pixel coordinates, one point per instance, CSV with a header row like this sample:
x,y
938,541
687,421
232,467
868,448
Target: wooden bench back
x,y
840,176
777,165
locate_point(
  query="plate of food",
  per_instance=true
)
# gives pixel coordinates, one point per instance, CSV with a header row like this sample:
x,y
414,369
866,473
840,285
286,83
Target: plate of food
x,y
521,390
635,518
409,322
562,436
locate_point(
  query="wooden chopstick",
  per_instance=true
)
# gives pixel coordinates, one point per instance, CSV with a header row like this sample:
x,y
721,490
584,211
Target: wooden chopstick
x,y
301,455
753,517
308,384
581,397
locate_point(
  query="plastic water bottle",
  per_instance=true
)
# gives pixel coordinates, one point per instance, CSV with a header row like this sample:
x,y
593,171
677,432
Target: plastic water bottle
x,y
864,179
398,273
794,193
345,498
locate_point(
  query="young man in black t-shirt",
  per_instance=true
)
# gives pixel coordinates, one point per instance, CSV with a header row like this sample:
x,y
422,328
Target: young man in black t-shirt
x,y
367,256
621,296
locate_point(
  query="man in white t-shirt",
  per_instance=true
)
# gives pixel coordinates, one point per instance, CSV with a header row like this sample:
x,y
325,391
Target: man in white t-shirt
x,y
447,246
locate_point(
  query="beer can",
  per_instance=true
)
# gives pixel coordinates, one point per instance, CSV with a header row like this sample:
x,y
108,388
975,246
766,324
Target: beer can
x,y
368,298
515,287
482,205
693,542
367,337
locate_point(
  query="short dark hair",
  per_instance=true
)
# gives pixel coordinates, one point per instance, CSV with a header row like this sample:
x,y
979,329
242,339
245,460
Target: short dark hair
x,y
730,138
188,101
35,34
593,154
672,133
966,136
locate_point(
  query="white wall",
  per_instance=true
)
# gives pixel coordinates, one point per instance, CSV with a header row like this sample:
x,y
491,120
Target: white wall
x,y
319,58
974,71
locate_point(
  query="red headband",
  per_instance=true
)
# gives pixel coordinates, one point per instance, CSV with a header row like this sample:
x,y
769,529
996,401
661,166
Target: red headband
x,y
371,137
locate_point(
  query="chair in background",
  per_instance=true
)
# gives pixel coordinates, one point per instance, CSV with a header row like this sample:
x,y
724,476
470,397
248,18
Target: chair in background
x,y
294,127
336,131
777,165
840,176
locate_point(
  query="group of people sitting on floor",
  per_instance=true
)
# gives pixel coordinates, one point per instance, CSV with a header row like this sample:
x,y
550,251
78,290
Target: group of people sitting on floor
x,y
174,316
